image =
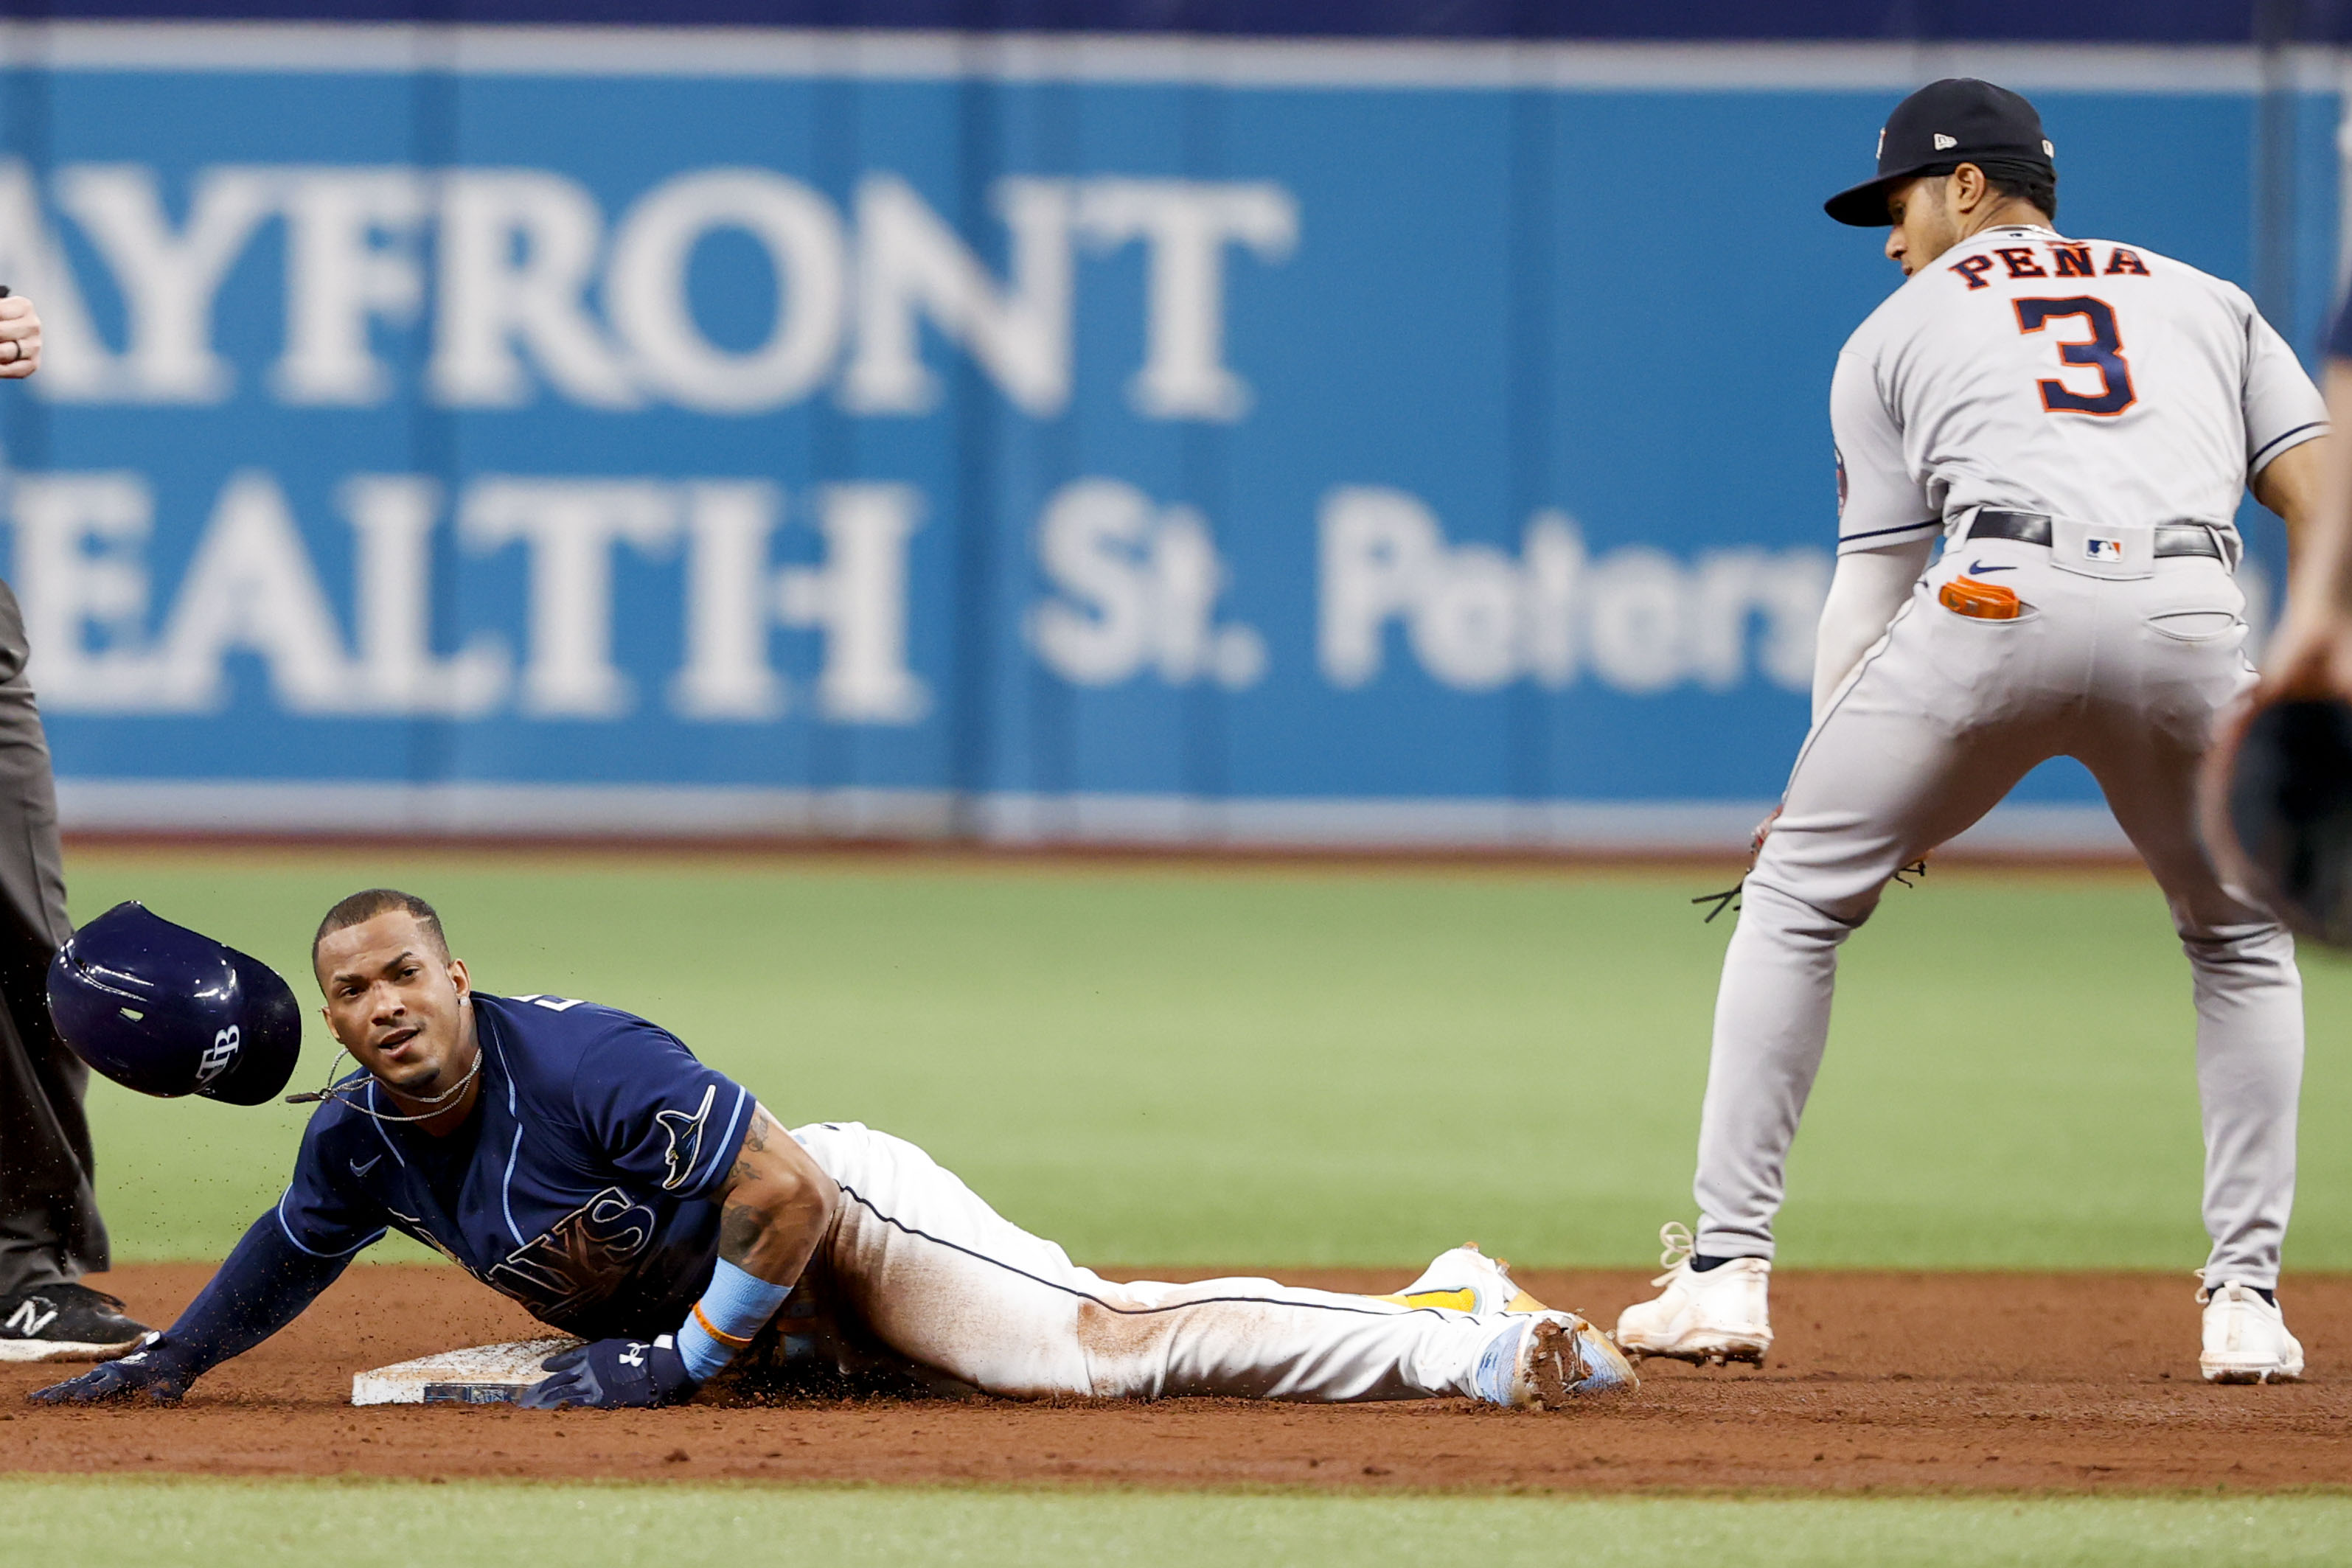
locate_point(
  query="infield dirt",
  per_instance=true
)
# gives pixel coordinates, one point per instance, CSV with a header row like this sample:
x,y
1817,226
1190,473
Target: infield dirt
x,y
1879,1382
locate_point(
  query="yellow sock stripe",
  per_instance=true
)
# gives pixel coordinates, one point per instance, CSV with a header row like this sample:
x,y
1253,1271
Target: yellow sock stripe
x,y
1461,1301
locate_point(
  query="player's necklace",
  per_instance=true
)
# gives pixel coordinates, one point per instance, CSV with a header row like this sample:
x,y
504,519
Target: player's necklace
x,y
349,1094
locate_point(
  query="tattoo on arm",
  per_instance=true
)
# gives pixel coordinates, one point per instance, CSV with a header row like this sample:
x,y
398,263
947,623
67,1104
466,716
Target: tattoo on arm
x,y
771,1212
740,1229
755,1142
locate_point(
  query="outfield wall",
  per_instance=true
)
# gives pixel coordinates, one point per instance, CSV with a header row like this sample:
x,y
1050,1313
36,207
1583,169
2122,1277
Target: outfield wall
x,y
1100,436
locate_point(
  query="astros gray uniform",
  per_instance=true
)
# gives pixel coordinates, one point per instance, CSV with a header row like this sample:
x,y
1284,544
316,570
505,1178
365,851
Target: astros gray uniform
x,y
2098,396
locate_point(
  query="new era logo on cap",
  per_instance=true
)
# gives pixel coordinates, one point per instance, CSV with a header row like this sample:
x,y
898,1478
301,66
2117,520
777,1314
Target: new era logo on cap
x,y
1946,123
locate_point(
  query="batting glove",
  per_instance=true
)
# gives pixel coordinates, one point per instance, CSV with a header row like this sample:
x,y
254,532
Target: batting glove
x,y
154,1372
613,1374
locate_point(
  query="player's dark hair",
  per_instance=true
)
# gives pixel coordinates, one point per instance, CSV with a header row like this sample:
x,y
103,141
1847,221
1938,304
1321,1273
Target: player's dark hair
x,y
2015,179
2038,187
368,902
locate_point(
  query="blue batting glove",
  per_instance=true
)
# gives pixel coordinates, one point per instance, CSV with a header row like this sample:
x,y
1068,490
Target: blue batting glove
x,y
613,1374
154,1370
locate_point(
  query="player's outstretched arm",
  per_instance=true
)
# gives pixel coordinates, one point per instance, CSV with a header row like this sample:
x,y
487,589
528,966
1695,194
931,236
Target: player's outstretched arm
x,y
775,1205
2310,487
264,1286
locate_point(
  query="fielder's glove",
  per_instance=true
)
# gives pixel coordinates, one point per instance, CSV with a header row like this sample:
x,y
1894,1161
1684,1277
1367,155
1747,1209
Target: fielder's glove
x,y
613,1374
2276,811
155,1371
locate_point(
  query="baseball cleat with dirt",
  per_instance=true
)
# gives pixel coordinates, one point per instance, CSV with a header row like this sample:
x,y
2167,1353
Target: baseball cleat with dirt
x,y
1714,1316
1465,1280
1547,1361
2246,1340
65,1323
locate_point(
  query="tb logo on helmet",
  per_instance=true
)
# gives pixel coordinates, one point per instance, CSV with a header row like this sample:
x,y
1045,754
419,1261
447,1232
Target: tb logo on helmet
x,y
218,1055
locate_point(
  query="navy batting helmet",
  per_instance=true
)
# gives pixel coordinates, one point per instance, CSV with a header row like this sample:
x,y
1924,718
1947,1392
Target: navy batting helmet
x,y
165,1011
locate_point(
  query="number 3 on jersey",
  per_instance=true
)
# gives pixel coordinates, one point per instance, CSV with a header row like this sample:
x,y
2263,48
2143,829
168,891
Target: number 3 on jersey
x,y
2100,352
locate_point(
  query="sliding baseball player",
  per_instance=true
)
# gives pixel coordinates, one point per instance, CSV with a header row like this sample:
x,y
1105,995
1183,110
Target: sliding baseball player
x,y
2075,421
580,1161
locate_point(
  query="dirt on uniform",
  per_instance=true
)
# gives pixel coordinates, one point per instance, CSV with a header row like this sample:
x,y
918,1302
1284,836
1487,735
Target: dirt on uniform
x,y
1879,1382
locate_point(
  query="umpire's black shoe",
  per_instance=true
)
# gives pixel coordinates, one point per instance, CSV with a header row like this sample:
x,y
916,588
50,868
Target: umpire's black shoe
x,y
65,1323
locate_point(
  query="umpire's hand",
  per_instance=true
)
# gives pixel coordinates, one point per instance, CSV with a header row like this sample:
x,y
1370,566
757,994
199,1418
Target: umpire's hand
x,y
152,1373
20,338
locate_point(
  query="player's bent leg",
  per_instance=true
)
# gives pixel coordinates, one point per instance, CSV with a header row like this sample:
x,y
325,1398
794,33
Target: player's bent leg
x,y
2249,1078
2250,1023
942,1279
1895,767
2250,1026
1907,758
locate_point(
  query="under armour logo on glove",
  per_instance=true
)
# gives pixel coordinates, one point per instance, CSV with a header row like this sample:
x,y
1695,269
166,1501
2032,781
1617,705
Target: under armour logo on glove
x,y
157,1371
613,1374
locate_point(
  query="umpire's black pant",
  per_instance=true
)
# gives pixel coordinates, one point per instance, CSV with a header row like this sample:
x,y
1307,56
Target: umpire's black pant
x,y
49,1228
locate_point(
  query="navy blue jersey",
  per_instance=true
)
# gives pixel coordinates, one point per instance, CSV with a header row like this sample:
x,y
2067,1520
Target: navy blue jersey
x,y
585,1185
2339,336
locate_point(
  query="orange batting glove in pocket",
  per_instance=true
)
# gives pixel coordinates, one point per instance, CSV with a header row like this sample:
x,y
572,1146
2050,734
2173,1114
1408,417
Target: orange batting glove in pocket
x,y
1980,601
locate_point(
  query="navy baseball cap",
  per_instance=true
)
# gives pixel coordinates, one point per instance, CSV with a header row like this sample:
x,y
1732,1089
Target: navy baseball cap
x,y
169,1012
1943,125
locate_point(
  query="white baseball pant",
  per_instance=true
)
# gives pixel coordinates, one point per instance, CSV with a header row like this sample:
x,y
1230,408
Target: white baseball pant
x,y
1939,722
943,1280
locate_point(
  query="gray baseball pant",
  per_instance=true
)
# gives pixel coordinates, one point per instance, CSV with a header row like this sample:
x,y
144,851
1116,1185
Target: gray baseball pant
x,y
49,1228
1942,719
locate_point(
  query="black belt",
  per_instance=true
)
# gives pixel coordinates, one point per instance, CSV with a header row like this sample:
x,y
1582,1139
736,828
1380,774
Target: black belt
x,y
2033,528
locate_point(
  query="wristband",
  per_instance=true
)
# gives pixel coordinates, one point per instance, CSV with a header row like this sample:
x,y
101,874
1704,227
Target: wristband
x,y
733,1311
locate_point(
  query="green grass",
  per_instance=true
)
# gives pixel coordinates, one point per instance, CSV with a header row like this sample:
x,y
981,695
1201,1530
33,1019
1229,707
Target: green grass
x,y
258,1525
1322,1066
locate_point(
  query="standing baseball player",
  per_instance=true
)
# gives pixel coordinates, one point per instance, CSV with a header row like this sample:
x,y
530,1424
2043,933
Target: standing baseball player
x,y
50,1232
582,1162
2075,419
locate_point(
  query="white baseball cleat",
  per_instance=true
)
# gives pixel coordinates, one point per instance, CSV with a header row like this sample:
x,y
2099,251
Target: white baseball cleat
x,y
1465,1280
1718,1316
2246,1339
1547,1360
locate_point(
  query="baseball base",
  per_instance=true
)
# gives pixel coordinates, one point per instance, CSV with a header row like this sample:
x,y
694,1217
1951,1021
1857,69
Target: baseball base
x,y
479,1374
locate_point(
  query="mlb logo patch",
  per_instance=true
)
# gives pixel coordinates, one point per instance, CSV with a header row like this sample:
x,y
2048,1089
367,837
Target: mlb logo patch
x,y
2103,549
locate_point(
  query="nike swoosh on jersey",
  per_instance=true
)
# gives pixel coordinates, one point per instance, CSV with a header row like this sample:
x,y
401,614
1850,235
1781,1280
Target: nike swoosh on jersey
x,y
1978,569
359,1170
